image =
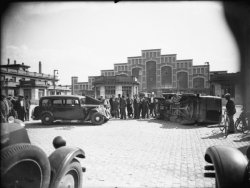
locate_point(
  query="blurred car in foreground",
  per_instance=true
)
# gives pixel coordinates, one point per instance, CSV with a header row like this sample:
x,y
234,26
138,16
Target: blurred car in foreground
x,y
24,165
229,166
69,107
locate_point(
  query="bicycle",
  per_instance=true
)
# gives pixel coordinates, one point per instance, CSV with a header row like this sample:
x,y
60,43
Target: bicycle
x,y
241,122
224,124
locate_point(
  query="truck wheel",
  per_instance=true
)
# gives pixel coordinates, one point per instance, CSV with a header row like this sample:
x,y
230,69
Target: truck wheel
x,y
24,165
97,118
72,176
47,119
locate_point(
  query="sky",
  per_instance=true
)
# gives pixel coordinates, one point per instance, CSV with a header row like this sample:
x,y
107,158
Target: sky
x,y
82,38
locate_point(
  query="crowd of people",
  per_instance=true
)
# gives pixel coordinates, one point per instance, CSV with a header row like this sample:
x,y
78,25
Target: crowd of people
x,y
135,107
18,107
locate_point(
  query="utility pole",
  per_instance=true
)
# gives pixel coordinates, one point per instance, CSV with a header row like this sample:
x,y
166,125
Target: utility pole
x,y
208,74
55,72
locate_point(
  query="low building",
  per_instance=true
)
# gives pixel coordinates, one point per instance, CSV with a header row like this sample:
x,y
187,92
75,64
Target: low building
x,y
16,79
222,82
107,86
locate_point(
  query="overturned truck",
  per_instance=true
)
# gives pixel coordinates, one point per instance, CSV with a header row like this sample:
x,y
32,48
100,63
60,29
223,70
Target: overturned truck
x,y
189,109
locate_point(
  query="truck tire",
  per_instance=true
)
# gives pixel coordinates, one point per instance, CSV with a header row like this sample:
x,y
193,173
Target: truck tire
x,y
24,165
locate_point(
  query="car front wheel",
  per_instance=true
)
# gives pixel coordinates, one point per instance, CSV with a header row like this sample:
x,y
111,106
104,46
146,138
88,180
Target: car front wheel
x,y
97,119
47,119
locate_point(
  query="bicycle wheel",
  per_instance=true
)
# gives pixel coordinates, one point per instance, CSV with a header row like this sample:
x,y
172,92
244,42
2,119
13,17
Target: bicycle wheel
x,y
244,126
226,125
238,125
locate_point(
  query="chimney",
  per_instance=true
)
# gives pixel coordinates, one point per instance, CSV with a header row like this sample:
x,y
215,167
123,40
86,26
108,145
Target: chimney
x,y
40,67
8,60
14,61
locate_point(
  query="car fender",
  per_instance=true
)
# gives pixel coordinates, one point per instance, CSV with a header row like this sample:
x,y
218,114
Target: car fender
x,y
60,159
230,166
46,112
90,113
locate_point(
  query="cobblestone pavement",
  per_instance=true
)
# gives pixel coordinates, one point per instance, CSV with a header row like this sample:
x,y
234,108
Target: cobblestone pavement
x,y
138,153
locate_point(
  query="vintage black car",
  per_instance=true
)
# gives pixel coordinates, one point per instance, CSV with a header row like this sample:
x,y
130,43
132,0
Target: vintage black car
x,y
24,165
190,108
229,166
70,107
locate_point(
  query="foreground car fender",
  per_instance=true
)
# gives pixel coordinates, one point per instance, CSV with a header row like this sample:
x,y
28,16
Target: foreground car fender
x,y
60,160
230,166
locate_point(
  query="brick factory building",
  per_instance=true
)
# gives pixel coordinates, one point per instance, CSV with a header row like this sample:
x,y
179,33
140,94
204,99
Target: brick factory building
x,y
155,72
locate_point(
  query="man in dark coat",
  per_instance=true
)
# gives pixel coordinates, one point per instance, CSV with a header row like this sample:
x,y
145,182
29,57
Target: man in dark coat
x,y
129,101
136,107
230,106
20,106
122,107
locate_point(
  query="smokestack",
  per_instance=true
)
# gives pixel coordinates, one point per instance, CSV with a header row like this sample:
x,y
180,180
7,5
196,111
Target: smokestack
x,y
14,61
40,67
8,60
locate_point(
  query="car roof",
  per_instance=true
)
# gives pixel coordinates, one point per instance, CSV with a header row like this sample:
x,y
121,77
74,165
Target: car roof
x,y
61,96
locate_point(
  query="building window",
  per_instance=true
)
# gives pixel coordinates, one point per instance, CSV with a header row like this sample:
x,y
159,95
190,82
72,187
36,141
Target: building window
x,y
126,90
162,59
166,76
194,71
198,70
109,90
228,88
198,83
202,70
115,68
185,65
40,93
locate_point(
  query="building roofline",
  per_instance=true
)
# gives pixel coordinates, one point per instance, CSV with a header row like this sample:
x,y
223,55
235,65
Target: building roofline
x,y
120,63
184,60
135,57
14,65
108,70
168,54
151,49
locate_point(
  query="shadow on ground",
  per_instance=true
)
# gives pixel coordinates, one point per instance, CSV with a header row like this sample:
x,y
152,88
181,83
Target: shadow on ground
x,y
58,124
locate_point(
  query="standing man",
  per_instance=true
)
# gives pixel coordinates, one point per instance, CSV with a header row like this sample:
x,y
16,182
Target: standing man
x,y
152,105
230,106
136,107
129,106
20,108
111,102
27,107
122,107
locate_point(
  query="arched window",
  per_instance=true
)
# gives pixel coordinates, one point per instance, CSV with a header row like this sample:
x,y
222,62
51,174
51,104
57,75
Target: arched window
x,y
151,75
166,75
198,83
182,80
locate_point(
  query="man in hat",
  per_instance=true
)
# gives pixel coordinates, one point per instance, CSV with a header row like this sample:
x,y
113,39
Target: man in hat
x,y
230,106
20,105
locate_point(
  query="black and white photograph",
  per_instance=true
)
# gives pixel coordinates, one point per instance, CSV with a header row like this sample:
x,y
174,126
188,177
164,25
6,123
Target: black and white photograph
x,y
125,94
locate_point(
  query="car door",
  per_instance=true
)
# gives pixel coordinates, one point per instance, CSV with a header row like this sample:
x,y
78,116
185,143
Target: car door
x,y
74,110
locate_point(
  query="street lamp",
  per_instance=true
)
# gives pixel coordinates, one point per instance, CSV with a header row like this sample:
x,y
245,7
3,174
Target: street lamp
x,y
55,72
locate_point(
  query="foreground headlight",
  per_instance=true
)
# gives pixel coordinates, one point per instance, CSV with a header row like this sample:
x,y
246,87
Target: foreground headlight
x,y
11,119
21,123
